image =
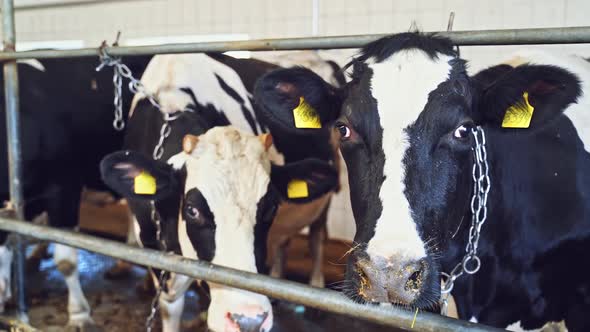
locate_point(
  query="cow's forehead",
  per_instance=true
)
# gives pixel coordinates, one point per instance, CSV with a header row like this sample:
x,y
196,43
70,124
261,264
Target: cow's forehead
x,y
402,83
231,169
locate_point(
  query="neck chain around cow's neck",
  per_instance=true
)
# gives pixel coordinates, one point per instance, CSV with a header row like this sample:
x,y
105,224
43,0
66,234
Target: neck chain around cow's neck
x,y
471,263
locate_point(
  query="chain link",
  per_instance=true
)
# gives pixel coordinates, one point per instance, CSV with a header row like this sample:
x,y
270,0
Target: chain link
x,y
120,71
155,305
471,263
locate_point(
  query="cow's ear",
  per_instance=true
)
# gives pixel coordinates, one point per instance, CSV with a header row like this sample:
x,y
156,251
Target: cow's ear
x,y
133,175
528,96
305,180
296,101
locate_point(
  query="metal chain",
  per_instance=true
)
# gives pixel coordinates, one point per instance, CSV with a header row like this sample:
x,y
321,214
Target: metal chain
x,y
471,263
120,71
155,305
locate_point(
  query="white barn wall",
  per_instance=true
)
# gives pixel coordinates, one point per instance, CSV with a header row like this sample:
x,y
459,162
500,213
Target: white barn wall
x,y
279,18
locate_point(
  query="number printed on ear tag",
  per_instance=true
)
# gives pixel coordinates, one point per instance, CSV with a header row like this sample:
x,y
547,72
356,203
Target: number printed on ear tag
x,y
297,189
144,184
306,116
519,115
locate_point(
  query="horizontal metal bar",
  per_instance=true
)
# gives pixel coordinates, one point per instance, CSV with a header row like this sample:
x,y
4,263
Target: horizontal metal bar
x,y
323,299
571,35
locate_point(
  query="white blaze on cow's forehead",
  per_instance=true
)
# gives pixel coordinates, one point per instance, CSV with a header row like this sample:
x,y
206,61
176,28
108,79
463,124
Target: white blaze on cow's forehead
x,y
166,74
401,85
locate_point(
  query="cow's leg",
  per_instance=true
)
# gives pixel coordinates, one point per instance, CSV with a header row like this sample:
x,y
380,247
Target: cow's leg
x,y
171,313
66,259
317,235
172,300
5,274
279,248
63,211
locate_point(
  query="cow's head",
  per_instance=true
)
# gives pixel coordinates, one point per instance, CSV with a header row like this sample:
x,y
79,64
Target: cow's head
x,y
405,124
229,194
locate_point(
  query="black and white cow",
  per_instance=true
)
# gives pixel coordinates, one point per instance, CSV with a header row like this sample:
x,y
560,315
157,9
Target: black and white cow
x,y
224,186
405,125
66,124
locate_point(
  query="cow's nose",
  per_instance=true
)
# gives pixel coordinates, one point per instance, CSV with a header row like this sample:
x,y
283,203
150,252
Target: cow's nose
x,y
391,280
247,321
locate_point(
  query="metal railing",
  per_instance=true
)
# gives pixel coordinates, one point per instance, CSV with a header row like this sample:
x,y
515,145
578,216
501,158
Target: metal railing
x,y
280,289
573,35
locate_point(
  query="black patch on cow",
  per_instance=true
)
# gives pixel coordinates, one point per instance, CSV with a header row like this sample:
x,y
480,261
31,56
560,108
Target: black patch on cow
x,y
266,209
62,145
278,93
232,93
200,230
550,90
383,48
339,75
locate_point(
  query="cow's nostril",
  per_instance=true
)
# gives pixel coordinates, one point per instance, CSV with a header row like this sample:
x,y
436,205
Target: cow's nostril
x,y
414,282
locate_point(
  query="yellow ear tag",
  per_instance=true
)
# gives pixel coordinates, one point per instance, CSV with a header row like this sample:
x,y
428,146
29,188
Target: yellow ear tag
x,y
297,189
519,115
144,184
305,116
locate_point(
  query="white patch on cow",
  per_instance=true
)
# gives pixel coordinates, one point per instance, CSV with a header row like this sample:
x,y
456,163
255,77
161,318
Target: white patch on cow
x,y
473,319
78,307
577,112
231,168
517,327
5,275
401,85
166,74
33,63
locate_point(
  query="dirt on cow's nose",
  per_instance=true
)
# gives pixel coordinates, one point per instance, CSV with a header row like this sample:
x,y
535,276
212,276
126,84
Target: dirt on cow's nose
x,y
391,280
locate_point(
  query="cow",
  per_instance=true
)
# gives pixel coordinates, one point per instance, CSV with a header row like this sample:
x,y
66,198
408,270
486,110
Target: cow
x,y
292,218
408,123
66,114
205,91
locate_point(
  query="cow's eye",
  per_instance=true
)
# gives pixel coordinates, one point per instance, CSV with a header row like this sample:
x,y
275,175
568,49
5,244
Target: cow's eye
x,y
192,212
462,131
344,131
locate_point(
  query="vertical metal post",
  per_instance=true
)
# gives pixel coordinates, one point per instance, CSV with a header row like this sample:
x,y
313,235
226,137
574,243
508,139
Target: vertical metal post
x,y
11,96
315,17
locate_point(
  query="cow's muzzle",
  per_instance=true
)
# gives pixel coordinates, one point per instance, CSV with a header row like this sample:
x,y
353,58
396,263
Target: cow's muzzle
x,y
392,280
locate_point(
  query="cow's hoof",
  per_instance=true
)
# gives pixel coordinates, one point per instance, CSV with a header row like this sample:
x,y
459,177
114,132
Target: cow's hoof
x,y
120,270
83,325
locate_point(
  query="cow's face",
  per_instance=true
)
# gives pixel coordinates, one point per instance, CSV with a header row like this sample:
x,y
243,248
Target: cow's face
x,y
230,192
405,134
